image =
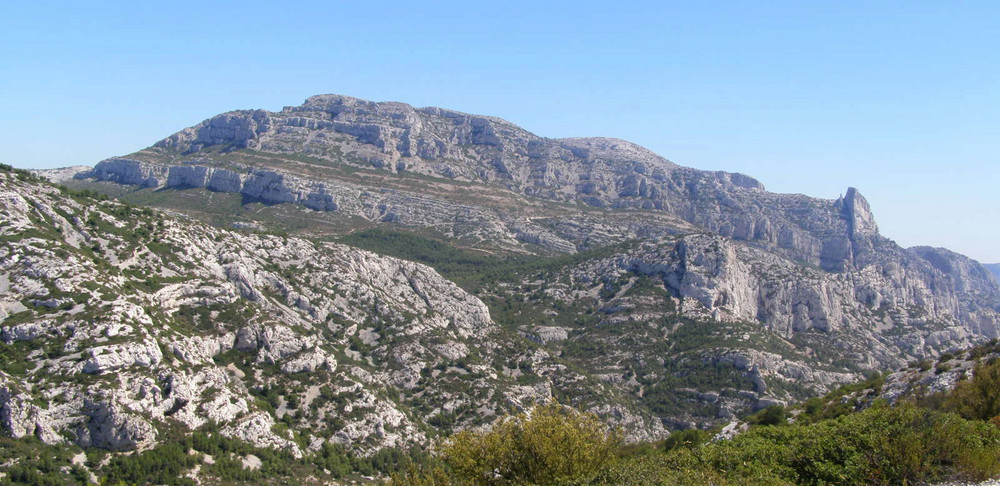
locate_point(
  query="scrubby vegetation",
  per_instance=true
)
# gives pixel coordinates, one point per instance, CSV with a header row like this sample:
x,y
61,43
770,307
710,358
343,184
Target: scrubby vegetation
x,y
551,445
218,459
978,398
470,269
554,444
812,444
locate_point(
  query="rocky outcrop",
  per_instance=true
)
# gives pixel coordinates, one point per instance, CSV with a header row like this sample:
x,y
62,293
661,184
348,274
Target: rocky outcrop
x,y
110,427
774,323
926,378
268,186
63,174
740,282
115,357
261,185
233,130
184,176
21,418
257,430
22,332
127,171
223,180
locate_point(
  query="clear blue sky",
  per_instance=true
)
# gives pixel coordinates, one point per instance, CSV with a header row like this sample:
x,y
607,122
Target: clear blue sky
x,y
900,99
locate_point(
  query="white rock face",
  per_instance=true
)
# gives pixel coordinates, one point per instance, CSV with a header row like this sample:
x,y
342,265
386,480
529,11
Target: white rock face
x,y
126,171
110,427
200,349
20,418
309,361
256,429
222,180
264,185
115,357
742,283
187,176
171,321
22,332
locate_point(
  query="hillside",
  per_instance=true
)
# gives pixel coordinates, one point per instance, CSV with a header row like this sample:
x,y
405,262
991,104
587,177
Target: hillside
x,y
348,281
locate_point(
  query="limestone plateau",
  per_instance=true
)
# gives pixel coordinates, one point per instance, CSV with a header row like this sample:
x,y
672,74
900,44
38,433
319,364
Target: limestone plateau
x,y
589,269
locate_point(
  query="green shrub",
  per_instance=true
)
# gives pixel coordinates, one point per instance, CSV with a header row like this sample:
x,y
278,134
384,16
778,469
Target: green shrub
x,y
882,445
163,465
690,438
551,444
428,476
772,415
978,398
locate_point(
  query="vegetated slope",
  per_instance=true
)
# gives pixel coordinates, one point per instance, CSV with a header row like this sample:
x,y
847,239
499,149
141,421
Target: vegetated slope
x,y
126,317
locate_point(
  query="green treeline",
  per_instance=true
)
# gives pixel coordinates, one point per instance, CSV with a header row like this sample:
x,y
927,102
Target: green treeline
x,y
470,269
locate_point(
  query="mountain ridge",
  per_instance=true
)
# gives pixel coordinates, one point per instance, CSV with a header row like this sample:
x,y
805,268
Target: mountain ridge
x,y
453,146
485,180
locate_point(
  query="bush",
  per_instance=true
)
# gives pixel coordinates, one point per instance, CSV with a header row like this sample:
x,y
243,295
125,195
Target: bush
x,y
690,439
551,444
978,398
882,445
163,465
427,476
772,415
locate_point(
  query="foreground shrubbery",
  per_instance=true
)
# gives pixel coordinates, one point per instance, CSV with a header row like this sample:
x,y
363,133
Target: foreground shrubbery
x,y
883,445
551,445
951,436
978,398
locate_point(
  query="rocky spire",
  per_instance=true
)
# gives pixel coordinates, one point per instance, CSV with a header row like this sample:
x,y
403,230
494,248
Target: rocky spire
x,y
855,210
